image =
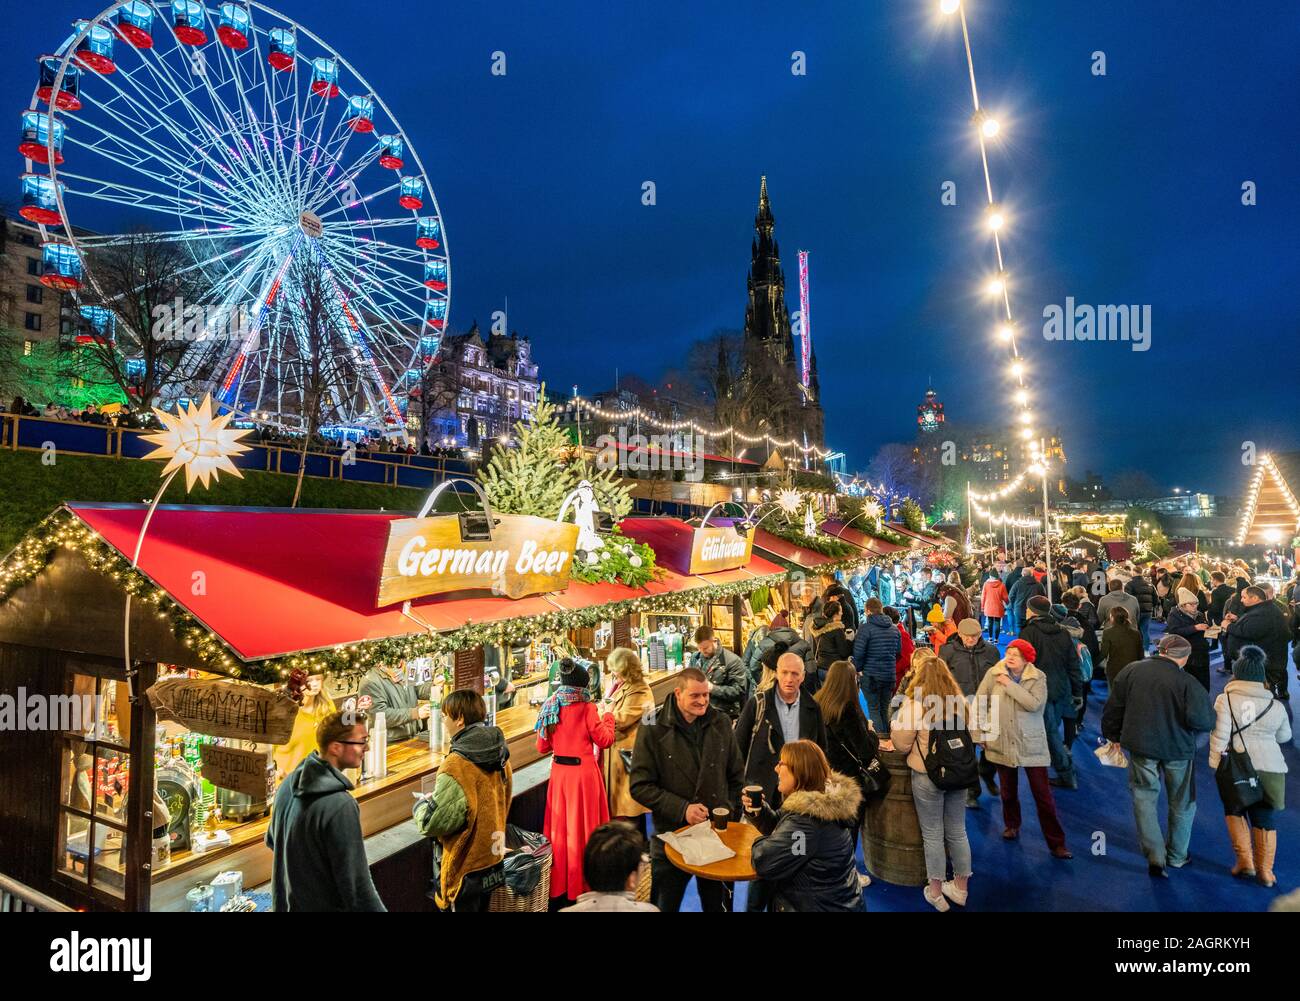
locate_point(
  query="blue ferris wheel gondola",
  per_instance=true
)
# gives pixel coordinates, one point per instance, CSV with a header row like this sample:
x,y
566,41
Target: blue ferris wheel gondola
x,y
101,326
189,23
325,77
133,22
360,116
435,313
95,51
34,141
233,26
435,275
68,97
60,266
428,234
40,203
391,151
281,49
411,194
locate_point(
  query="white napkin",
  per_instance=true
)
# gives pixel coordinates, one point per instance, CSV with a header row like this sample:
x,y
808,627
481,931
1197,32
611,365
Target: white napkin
x,y
699,845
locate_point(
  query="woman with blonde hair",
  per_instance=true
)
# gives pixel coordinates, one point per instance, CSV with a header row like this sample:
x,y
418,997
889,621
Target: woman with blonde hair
x,y
934,701
806,850
919,656
630,699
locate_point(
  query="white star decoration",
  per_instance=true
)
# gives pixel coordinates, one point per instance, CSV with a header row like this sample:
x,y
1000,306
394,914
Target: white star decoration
x,y
789,501
196,440
871,510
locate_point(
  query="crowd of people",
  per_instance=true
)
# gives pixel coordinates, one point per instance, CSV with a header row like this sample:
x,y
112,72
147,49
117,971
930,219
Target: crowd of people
x,y
90,414
792,734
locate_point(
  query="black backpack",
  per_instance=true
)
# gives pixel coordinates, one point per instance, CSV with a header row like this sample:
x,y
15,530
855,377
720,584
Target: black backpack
x,y
950,760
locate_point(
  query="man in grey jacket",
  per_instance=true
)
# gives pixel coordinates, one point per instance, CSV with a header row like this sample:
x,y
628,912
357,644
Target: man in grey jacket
x,y
726,672
398,699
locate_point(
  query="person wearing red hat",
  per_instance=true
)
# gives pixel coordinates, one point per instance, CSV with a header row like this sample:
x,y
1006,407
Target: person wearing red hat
x,y
1009,707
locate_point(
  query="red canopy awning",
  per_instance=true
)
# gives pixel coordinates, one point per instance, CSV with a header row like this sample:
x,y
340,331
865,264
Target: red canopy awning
x,y
932,543
859,538
277,581
809,559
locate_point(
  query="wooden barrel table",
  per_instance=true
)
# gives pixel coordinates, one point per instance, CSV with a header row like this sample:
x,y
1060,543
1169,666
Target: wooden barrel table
x,y
891,835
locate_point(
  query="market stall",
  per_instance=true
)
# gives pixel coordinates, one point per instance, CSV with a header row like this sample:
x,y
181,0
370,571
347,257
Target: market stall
x,y
231,605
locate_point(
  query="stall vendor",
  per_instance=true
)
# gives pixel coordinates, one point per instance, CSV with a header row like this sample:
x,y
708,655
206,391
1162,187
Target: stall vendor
x,y
390,692
315,706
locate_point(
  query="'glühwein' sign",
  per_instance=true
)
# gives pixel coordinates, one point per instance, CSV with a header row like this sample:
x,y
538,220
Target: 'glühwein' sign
x,y
243,771
526,555
225,709
719,548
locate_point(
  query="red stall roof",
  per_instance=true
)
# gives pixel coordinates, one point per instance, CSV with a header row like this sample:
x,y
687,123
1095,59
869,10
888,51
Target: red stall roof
x,y
942,540
877,547
809,559
277,581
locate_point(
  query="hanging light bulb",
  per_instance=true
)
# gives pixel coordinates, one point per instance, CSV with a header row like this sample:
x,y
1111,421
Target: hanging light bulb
x,y
1017,368
949,6
990,127
995,218
1006,332
1022,397
996,285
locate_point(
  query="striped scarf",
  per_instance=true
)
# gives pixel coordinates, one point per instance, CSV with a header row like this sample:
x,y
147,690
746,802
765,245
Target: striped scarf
x,y
565,695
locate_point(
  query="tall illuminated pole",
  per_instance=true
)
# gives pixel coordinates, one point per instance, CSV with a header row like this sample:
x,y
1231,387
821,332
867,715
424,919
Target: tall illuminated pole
x,y
1047,542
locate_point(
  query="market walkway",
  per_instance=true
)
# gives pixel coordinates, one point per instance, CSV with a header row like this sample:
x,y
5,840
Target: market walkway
x,y
1022,876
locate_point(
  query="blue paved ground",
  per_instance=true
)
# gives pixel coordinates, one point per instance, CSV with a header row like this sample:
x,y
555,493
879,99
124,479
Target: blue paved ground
x,y
1022,875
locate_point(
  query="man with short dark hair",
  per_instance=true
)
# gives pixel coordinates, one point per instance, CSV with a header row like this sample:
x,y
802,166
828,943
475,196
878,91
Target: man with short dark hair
x,y
611,866
875,652
1262,623
1155,711
318,855
684,765
728,680
1116,595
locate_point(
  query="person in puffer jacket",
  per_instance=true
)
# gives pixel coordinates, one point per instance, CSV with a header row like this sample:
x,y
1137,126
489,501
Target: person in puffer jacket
x,y
875,650
762,653
806,850
829,641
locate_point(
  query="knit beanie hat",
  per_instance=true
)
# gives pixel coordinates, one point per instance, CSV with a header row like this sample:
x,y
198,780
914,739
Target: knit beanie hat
x,y
1250,663
1040,604
1026,649
1186,597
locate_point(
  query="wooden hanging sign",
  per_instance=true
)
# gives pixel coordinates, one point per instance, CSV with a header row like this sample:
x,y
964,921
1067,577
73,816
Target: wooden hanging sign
x,y
225,709
720,548
240,770
526,555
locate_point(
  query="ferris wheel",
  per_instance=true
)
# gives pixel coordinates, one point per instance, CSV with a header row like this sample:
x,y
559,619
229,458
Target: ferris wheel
x,y
242,137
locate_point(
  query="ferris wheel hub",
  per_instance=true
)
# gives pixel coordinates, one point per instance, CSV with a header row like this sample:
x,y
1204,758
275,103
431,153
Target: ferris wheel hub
x,y
310,224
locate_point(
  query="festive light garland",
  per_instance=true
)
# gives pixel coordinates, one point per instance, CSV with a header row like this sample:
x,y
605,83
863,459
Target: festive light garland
x,y
1266,464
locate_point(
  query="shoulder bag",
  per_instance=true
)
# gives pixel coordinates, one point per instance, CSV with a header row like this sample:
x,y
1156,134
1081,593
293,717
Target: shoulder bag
x,y
1236,777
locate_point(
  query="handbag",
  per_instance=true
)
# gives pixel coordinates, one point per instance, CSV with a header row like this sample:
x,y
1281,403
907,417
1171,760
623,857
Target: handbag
x,y
625,756
1236,777
873,776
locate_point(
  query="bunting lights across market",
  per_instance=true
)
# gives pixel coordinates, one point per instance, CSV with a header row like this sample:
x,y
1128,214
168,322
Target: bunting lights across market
x,y
249,142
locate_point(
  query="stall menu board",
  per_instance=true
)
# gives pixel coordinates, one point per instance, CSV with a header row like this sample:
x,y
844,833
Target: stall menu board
x,y
225,709
467,671
623,633
243,771
526,555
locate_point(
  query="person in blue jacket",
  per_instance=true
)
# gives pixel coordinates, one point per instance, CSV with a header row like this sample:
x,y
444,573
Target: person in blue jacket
x,y
875,650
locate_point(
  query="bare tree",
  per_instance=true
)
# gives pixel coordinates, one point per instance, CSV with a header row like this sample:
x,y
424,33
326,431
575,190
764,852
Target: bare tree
x,y
437,391
897,468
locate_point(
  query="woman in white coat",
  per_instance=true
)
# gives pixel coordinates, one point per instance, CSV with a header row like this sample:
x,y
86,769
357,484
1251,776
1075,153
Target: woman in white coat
x,y
1010,702
1261,726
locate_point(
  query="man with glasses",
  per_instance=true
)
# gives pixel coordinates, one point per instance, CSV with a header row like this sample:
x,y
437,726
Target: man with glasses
x,y
315,833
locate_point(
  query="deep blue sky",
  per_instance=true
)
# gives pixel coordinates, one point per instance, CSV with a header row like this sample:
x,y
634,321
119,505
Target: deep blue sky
x,y
1123,189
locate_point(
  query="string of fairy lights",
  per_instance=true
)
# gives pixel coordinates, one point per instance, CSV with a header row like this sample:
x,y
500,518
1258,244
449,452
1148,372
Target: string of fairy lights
x,y
637,413
997,285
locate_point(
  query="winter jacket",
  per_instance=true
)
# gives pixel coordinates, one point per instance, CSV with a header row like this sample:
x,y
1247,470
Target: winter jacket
x,y
1141,589
829,644
806,851
1265,626
1181,624
1122,598
726,673
968,666
840,593
907,646
466,815
628,705
1156,709
1218,598
876,647
910,728
671,769
319,861
1120,646
781,634
993,598
397,700
760,738
851,743
1262,722
1010,718
1020,593
1056,657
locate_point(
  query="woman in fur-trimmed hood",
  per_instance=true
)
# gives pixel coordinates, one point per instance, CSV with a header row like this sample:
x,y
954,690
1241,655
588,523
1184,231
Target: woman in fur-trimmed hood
x,y
806,851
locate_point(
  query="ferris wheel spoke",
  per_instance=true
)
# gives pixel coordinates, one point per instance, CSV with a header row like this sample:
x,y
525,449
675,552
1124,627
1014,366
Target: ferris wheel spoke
x,y
122,194
100,240
363,200
347,182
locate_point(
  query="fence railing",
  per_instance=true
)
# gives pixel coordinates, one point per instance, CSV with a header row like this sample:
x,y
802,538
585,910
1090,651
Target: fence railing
x,y
17,898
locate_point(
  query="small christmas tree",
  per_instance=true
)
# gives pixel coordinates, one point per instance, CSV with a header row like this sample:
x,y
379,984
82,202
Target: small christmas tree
x,y
535,477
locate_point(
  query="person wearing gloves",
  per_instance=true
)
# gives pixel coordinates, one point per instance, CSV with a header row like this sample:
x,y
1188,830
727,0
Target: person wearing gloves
x,y
1010,705
403,703
1188,621
1248,713
466,813
725,671
806,852
571,726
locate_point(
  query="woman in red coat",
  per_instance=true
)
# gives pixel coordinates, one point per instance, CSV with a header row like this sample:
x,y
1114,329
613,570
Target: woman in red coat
x,y
993,603
570,726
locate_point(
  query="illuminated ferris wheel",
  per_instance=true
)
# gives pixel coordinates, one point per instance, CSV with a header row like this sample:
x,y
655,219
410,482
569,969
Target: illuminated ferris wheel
x,y
243,138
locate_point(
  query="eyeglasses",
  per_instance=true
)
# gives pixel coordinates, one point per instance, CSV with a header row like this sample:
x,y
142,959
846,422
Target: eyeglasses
x,y
356,743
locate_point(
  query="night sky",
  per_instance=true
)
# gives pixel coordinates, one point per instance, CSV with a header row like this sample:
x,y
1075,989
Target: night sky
x,y
1120,189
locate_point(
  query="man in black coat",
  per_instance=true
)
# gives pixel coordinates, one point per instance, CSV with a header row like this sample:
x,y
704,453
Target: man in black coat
x,y
1154,712
725,671
1141,589
1220,592
1056,657
969,657
684,765
1019,595
1262,623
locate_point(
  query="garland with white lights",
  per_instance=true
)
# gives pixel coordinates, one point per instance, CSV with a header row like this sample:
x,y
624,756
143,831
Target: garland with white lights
x,y
1266,465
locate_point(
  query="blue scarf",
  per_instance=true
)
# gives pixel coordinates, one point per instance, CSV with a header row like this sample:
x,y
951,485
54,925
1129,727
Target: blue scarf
x,y
565,695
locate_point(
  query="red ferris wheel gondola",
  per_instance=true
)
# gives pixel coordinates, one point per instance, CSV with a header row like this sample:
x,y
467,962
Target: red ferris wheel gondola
x,y
187,22
67,99
282,47
95,51
134,24
233,29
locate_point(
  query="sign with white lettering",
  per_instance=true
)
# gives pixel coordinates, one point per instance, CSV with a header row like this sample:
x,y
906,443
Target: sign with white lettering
x,y
225,709
242,771
526,555
720,548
